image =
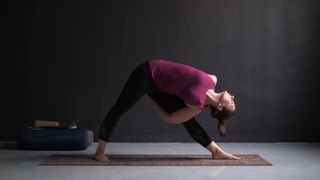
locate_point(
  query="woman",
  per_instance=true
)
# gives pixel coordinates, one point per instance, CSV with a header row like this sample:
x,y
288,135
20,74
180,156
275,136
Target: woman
x,y
181,92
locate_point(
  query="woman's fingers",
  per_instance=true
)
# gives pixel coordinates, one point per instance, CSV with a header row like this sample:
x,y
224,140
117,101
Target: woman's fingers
x,y
224,155
235,157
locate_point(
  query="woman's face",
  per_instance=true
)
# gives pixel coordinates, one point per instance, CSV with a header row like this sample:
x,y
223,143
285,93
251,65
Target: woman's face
x,y
227,101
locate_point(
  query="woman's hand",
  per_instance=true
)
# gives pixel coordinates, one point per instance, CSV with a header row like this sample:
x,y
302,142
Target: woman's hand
x,y
163,114
218,153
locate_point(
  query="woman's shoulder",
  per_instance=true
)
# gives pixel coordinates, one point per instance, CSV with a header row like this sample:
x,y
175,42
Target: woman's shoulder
x,y
214,78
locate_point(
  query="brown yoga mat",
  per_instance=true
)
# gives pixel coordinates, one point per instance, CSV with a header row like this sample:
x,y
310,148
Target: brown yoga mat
x,y
155,160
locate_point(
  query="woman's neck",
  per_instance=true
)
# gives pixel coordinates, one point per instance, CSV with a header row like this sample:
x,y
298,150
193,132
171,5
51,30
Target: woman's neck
x,y
212,98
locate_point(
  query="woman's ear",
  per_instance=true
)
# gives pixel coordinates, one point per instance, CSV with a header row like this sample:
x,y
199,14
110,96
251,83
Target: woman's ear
x,y
220,107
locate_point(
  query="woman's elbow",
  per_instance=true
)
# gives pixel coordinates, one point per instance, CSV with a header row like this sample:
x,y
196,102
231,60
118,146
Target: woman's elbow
x,y
171,120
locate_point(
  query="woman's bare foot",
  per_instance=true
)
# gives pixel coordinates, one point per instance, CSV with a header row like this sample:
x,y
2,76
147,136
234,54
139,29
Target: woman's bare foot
x,y
220,154
101,157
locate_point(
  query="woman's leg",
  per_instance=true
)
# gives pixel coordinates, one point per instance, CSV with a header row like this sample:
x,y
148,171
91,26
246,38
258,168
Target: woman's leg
x,y
136,86
171,103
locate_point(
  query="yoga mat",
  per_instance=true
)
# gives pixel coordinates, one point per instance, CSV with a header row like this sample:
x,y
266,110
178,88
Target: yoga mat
x,y
155,160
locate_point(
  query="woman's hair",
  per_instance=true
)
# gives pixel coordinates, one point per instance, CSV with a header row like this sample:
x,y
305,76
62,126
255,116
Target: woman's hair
x,y
221,115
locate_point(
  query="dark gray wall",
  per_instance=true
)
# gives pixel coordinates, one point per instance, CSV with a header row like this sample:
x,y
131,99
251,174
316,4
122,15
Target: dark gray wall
x,y
69,60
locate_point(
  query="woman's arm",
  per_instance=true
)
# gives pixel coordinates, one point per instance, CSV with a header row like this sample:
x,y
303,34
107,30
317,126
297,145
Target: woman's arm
x,y
179,116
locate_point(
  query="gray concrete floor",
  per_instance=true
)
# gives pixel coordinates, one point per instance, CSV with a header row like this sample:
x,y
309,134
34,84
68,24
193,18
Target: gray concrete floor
x,y
290,161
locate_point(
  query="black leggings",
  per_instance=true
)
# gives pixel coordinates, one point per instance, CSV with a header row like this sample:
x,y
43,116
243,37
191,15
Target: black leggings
x,y
140,83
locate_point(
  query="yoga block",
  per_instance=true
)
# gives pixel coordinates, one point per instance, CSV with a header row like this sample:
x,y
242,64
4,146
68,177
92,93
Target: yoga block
x,y
54,139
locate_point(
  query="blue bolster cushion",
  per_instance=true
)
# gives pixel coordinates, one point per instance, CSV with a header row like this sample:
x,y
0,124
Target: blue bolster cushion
x,y
54,139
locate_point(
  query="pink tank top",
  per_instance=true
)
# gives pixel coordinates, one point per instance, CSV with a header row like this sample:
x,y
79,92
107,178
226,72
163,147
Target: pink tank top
x,y
186,82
